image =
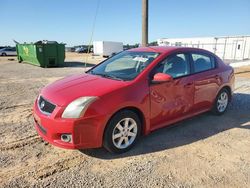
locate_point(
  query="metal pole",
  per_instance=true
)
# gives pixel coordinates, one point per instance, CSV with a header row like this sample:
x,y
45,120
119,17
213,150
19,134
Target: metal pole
x,y
225,46
245,42
144,23
236,44
215,45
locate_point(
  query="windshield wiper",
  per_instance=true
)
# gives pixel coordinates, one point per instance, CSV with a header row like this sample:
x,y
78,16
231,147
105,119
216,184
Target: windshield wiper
x,y
106,76
112,77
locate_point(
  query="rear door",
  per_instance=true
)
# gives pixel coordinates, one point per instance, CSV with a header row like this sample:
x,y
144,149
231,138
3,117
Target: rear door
x,y
171,100
206,80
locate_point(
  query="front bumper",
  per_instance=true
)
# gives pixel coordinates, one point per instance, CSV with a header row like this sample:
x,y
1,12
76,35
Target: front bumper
x,y
86,132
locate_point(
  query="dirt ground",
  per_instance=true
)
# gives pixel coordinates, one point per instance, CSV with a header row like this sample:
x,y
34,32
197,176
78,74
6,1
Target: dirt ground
x,y
205,151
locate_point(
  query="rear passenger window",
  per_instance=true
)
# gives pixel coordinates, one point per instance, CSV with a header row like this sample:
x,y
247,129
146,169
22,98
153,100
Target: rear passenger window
x,y
202,62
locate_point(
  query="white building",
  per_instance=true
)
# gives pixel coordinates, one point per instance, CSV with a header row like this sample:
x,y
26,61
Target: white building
x,y
230,47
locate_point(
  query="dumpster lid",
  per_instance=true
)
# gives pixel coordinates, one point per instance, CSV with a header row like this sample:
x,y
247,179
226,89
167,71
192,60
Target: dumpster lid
x,y
46,42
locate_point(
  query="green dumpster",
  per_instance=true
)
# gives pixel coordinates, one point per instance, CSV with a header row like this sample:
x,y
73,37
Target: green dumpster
x,y
42,53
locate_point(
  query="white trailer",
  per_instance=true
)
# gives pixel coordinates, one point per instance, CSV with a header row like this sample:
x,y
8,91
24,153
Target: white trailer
x,y
107,48
228,48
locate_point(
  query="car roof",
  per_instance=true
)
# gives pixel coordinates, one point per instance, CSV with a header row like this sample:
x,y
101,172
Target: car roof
x,y
167,49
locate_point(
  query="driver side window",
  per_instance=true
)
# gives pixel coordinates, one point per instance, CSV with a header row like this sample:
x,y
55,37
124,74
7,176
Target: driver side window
x,y
176,66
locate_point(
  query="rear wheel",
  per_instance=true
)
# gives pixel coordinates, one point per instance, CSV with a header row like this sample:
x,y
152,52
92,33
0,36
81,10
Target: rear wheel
x,y
122,132
4,54
221,102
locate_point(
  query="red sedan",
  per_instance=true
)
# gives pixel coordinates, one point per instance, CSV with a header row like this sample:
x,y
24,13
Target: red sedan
x,y
132,94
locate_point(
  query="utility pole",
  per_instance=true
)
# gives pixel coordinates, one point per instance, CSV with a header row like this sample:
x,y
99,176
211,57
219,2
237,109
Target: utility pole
x,y
144,23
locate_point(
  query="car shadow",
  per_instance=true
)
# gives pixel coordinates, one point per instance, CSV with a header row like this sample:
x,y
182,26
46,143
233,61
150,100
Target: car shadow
x,y
77,64
188,131
71,64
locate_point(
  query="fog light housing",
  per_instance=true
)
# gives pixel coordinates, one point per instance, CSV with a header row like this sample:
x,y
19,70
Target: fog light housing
x,y
66,137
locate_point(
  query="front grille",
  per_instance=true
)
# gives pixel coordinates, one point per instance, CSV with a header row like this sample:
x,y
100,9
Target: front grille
x,y
45,106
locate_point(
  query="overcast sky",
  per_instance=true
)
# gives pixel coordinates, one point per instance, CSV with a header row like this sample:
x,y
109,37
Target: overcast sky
x,y
70,21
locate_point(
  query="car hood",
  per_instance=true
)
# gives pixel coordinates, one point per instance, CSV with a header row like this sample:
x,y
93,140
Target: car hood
x,y
64,91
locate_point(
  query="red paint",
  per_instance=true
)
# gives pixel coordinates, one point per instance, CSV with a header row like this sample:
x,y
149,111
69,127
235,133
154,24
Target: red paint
x,y
160,104
161,77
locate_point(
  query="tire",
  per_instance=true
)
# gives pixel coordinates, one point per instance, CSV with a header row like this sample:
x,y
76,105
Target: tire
x,y
4,54
126,126
221,102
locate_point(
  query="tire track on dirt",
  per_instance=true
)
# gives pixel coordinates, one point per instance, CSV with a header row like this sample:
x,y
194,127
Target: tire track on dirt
x,y
57,167
16,114
14,106
16,124
21,143
43,171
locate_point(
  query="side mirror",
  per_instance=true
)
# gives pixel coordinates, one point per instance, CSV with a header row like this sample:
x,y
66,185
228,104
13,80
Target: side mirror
x,y
161,77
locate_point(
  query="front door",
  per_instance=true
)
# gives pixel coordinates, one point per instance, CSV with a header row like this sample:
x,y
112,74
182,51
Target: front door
x,y
171,100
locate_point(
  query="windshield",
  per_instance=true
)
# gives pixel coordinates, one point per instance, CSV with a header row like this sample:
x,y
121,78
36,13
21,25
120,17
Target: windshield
x,y
125,65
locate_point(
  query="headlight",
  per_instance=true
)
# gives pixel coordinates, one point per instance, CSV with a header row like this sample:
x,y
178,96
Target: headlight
x,y
77,107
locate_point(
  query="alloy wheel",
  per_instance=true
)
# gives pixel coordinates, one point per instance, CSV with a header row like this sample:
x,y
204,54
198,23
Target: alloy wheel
x,y
222,102
124,133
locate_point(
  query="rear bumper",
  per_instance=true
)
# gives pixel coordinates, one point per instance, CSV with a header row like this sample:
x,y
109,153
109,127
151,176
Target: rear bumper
x,y
86,132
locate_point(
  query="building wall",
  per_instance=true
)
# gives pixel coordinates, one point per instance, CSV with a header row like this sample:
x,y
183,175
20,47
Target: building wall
x,y
231,47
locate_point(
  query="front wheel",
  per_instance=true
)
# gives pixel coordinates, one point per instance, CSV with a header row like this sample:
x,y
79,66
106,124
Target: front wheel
x,y
221,102
122,132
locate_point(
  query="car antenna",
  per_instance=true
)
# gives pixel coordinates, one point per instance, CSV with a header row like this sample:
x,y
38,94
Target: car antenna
x,y
92,33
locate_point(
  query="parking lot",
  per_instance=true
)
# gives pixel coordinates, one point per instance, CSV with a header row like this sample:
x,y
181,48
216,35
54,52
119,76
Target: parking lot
x,y
206,150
